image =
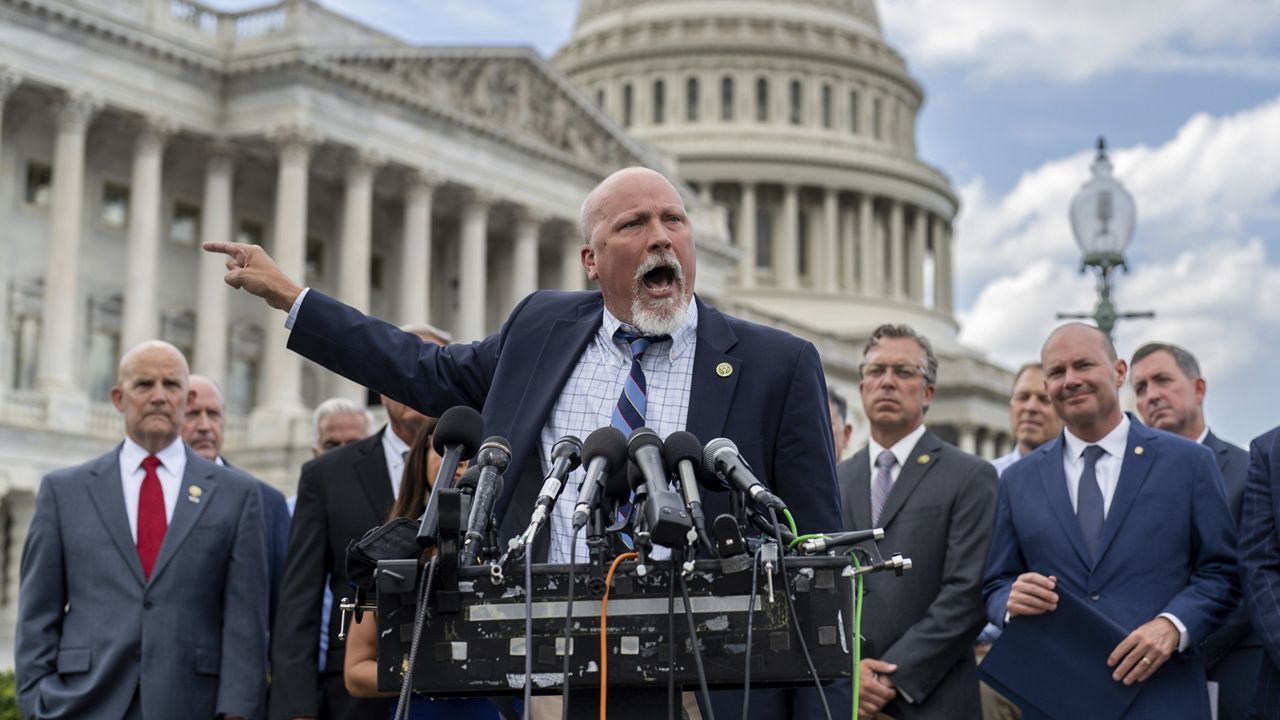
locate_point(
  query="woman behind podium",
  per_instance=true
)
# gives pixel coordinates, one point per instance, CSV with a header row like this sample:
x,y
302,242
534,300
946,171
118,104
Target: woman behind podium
x,y
361,667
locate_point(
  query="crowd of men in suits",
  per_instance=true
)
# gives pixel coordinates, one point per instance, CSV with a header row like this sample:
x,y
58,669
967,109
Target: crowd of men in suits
x,y
158,581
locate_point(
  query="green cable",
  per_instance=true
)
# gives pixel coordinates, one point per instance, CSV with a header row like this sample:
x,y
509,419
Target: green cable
x,y
802,538
791,522
857,638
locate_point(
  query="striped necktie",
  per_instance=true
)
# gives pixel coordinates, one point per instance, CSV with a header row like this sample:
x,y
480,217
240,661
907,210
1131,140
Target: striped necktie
x,y
881,484
629,411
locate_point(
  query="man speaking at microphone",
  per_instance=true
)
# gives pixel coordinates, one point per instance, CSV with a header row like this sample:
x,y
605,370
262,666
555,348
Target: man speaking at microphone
x,y
641,351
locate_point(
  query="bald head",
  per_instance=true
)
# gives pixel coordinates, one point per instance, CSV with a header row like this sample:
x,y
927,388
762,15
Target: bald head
x,y
592,210
1080,331
203,423
152,392
1083,376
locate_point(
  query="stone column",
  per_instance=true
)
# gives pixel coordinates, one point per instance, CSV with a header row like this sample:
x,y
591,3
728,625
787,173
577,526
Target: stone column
x,y
59,349
472,270
943,293
213,294
282,392
524,270
747,236
784,259
355,250
915,269
848,257
9,81
414,301
704,193
897,247
872,280
829,258
988,449
572,275
140,311
968,439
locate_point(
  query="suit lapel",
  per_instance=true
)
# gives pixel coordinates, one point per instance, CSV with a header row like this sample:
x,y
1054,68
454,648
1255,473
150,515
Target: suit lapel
x,y
1055,488
926,450
1220,453
199,473
1140,451
107,492
375,478
859,497
711,390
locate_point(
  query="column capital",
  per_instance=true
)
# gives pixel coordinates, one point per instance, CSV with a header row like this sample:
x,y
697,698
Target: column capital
x,y
154,128
10,79
525,215
74,110
423,179
363,160
294,136
573,235
474,197
220,148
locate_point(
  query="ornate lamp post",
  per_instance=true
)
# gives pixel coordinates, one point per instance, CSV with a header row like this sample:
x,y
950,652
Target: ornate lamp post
x,y
1102,218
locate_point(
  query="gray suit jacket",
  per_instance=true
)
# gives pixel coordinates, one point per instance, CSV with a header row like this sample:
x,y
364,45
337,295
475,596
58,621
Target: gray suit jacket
x,y
92,630
940,514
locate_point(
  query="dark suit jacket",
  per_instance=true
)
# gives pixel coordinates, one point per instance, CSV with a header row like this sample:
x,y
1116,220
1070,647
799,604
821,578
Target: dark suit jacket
x,y
939,515
275,517
1233,462
341,495
93,630
1260,556
1168,546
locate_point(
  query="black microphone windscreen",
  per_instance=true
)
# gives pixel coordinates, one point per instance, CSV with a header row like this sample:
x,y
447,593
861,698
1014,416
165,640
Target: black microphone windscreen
x,y
608,443
681,445
469,478
635,478
617,486
459,425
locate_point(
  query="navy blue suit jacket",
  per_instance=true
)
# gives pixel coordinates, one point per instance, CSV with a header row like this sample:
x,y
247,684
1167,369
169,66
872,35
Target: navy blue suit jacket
x,y
1260,556
772,404
1168,546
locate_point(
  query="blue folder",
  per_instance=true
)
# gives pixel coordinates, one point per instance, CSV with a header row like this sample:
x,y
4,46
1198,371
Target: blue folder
x,y
1055,665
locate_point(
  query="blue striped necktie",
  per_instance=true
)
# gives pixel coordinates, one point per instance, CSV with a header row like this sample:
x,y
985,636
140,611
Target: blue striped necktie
x,y
629,411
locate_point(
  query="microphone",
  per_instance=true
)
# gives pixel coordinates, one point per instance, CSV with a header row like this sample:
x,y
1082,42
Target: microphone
x,y
457,435
603,453
843,539
493,457
682,452
721,460
566,456
664,512
467,488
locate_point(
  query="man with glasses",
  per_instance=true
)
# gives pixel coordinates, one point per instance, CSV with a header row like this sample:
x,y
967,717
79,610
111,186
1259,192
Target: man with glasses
x,y
936,505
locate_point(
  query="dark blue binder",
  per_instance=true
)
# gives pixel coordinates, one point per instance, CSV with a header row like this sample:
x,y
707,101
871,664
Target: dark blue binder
x,y
1055,665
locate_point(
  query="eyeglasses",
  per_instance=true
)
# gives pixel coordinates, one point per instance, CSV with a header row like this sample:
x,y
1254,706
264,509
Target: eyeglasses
x,y
875,371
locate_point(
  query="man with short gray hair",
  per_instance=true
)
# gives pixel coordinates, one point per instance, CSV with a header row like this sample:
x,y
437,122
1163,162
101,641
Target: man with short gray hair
x,y
338,422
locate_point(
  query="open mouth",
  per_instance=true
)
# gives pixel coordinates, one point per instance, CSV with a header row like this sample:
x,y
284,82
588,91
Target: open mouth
x,y
660,278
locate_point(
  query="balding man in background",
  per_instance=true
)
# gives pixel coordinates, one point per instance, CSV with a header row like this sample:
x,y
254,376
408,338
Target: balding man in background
x,y
143,572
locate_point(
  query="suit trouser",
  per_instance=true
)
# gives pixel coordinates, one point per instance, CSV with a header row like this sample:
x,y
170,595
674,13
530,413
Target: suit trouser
x,y
337,704
1237,677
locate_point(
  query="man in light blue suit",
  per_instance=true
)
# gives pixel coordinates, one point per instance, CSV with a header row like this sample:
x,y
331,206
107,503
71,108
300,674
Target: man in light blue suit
x,y
144,577
1131,520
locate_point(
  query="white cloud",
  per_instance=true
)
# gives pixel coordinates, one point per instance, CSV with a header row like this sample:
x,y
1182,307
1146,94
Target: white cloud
x,y
1072,41
1206,199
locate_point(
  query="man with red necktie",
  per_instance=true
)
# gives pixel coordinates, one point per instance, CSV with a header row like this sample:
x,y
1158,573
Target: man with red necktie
x,y
144,585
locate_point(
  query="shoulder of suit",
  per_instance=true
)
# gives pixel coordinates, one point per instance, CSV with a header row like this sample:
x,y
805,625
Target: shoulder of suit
x,y
950,454
75,472
1167,443
343,457
752,332
228,475
542,301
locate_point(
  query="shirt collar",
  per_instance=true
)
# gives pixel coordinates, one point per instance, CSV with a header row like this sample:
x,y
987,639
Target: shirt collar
x,y
1204,435
682,340
901,449
173,456
1113,442
392,442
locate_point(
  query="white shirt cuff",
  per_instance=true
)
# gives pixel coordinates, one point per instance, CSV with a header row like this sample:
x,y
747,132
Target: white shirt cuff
x,y
1183,641
293,311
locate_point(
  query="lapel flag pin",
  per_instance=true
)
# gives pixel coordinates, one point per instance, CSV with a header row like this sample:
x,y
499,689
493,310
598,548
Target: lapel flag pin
x,y
1138,450
193,494
923,460
724,369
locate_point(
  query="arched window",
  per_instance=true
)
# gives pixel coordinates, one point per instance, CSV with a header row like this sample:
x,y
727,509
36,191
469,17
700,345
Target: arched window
x,y
726,98
826,106
600,98
853,111
628,105
659,102
692,97
762,99
797,99
877,111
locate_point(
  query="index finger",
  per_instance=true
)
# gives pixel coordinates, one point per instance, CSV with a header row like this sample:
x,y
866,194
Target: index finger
x,y
226,248
1038,580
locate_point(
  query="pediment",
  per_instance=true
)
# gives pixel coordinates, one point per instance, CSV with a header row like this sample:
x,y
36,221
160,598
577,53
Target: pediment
x,y
512,92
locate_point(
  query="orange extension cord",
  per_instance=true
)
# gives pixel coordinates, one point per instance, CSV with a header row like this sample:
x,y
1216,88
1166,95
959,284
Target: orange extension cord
x,y
604,639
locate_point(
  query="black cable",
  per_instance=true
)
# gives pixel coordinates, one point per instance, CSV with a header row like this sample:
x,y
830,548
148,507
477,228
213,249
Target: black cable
x,y
671,641
568,627
697,651
406,686
751,616
795,619
528,634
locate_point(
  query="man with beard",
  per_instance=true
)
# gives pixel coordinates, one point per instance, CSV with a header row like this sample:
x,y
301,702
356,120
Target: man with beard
x,y
934,502
1170,393
560,364
1128,520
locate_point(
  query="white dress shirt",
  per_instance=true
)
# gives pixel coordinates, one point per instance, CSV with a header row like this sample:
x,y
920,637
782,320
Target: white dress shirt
x,y
1004,462
1107,469
901,450
173,463
393,448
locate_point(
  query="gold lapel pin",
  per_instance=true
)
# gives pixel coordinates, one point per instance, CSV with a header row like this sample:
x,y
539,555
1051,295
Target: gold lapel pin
x,y
193,494
724,369
1138,450
923,459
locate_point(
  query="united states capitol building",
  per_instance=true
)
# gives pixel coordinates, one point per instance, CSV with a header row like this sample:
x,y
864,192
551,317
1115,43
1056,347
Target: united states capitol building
x,y
436,184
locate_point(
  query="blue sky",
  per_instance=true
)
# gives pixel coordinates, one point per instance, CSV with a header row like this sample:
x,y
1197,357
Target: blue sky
x,y
1187,93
